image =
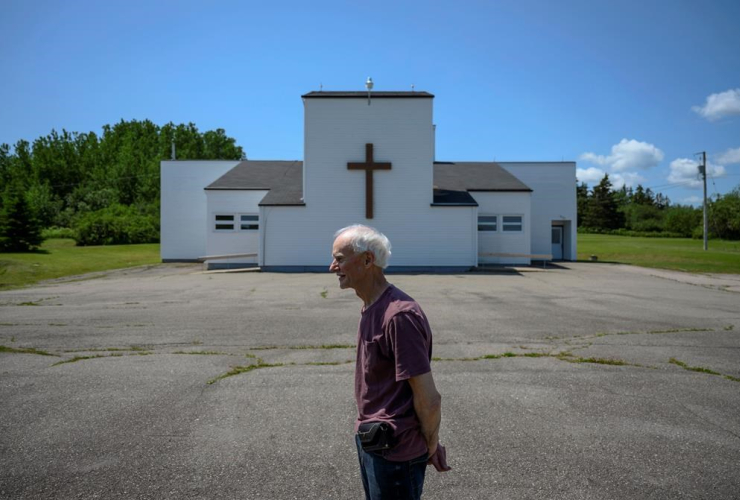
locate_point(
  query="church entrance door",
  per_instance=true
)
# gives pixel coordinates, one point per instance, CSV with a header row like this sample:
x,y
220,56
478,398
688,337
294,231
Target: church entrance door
x,y
557,242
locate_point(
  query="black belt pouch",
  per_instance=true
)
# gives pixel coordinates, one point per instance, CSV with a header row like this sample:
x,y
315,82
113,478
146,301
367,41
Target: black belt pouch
x,y
376,436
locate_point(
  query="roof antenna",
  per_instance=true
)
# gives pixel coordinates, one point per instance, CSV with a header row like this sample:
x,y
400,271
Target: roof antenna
x,y
412,87
369,87
321,87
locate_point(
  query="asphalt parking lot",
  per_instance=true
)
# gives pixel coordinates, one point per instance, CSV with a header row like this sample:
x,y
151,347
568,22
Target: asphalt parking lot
x,y
585,381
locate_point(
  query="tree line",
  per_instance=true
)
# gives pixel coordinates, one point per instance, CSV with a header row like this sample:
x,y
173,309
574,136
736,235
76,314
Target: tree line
x,y
641,212
98,189
105,189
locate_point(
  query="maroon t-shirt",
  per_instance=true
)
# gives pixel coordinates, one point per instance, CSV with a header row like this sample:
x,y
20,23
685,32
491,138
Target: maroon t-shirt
x,y
394,343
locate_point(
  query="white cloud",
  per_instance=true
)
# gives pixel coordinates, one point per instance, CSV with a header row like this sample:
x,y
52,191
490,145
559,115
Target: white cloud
x,y
629,179
594,158
629,154
725,103
685,170
729,157
591,175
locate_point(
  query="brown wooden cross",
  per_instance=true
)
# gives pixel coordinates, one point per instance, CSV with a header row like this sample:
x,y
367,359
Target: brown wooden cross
x,y
368,167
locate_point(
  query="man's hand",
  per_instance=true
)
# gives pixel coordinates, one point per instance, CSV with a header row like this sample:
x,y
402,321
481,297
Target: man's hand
x,y
439,459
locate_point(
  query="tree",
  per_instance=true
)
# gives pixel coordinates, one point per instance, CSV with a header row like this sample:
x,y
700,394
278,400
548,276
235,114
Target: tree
x,y
662,201
602,211
643,196
582,201
724,215
682,220
20,230
643,217
66,175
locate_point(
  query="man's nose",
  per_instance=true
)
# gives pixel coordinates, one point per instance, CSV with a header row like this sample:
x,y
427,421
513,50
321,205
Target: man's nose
x,y
332,266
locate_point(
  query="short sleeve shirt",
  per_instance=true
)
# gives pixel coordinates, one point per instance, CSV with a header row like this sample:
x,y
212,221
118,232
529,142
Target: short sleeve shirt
x,y
394,343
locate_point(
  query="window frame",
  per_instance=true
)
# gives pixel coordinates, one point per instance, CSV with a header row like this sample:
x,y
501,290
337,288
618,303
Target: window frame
x,y
223,222
488,224
249,222
519,225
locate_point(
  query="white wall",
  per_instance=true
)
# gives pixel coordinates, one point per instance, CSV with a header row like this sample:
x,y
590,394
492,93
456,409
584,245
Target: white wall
x,y
553,199
501,204
236,241
336,131
440,237
183,211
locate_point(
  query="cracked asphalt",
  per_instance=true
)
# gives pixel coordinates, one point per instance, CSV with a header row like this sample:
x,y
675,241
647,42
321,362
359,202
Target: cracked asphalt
x,y
584,381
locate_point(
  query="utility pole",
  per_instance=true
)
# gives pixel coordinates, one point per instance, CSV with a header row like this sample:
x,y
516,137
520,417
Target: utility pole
x,y
703,172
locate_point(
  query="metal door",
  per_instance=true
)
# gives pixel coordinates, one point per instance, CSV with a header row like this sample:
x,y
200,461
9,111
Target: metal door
x,y
557,242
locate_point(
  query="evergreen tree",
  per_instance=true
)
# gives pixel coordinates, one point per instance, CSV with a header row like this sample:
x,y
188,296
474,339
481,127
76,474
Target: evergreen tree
x,y
662,201
581,201
20,230
602,212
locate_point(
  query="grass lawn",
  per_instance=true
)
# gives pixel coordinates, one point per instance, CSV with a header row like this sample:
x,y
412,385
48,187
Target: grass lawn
x,y
681,254
60,257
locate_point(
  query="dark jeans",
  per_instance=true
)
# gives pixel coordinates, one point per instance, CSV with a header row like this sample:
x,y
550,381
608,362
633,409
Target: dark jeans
x,y
386,480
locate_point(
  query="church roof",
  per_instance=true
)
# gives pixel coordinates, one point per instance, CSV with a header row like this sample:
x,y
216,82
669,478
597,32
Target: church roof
x,y
454,180
382,94
284,180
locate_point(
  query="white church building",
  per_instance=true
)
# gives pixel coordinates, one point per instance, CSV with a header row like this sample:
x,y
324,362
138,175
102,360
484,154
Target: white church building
x,y
368,158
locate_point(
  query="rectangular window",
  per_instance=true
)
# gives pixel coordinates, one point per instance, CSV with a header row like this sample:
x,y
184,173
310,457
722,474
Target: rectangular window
x,y
224,222
487,222
249,222
511,223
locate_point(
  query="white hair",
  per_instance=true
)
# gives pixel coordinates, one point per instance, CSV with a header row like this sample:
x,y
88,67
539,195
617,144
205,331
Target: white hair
x,y
368,239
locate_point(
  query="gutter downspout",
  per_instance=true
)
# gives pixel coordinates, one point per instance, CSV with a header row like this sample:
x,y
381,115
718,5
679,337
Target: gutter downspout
x,y
263,236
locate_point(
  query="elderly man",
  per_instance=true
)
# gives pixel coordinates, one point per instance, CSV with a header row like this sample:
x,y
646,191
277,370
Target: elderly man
x,y
399,408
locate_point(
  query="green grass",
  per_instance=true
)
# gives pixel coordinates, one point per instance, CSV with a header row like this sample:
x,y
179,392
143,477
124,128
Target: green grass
x,y
680,254
302,347
699,369
204,353
59,258
24,350
237,370
80,358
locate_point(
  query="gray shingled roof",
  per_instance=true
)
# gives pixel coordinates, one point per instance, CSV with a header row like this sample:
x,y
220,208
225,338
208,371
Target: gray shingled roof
x,y
452,181
284,180
363,94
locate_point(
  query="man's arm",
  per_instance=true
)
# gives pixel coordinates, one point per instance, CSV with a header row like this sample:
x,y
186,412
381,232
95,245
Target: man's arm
x,y
428,406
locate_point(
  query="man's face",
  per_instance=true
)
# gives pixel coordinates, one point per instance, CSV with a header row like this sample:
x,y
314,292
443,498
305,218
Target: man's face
x,y
346,264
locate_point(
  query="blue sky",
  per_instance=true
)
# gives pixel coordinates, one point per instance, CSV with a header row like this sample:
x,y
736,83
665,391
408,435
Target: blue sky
x,y
632,88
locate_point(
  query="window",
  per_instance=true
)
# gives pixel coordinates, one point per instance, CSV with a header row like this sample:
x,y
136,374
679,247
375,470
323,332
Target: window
x,y
249,222
487,222
224,222
511,223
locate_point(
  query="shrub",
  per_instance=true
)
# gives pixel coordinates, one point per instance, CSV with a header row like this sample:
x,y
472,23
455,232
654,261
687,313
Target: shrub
x,y
643,218
58,232
724,216
683,220
117,224
628,232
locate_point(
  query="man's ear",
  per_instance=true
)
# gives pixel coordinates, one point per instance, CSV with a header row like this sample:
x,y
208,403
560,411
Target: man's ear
x,y
369,259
